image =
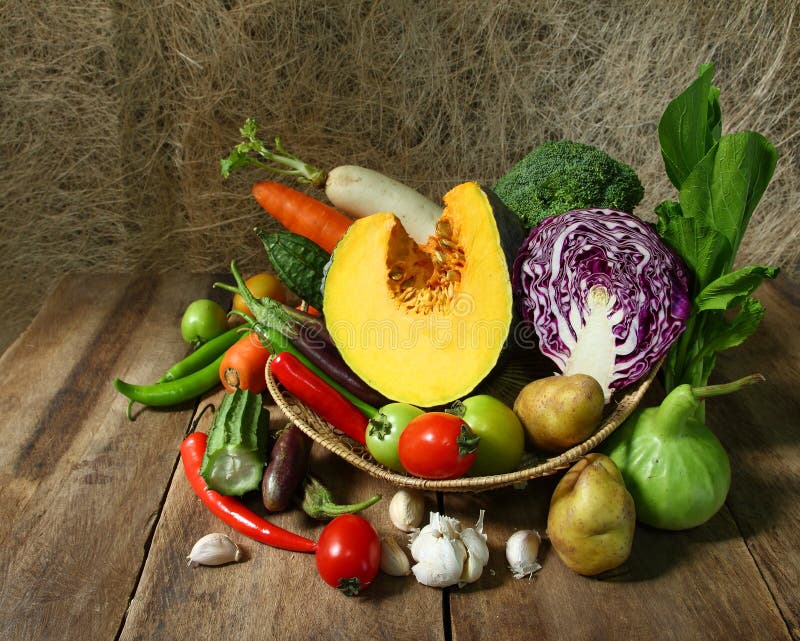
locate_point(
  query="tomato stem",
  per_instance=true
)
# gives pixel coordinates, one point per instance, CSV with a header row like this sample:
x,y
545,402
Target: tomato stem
x,y
350,586
379,426
457,409
467,441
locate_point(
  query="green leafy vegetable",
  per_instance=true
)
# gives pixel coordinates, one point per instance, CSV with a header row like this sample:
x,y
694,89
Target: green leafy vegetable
x,y
252,150
720,181
690,126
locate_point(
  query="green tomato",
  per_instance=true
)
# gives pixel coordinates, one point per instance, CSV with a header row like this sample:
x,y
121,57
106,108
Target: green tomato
x,y
502,441
383,433
203,320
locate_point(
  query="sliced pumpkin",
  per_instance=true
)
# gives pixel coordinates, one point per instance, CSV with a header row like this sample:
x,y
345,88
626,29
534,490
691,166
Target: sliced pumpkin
x,y
424,324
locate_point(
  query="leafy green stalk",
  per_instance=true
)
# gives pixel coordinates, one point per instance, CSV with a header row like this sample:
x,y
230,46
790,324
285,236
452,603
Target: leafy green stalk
x,y
252,151
690,126
720,181
267,311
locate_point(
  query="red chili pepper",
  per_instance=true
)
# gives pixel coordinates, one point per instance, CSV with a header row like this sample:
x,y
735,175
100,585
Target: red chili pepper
x,y
314,392
230,510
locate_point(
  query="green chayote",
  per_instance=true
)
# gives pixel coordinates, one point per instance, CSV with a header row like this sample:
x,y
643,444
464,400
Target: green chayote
x,y
674,467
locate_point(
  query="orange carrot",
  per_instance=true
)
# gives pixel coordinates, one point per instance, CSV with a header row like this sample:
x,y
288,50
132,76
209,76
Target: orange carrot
x,y
310,310
302,214
244,365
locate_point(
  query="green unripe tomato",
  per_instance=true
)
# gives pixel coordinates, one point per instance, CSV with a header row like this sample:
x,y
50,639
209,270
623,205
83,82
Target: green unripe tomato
x,y
674,467
383,433
502,435
203,320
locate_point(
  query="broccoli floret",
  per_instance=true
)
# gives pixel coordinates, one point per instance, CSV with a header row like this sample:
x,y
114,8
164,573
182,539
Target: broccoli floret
x,y
561,175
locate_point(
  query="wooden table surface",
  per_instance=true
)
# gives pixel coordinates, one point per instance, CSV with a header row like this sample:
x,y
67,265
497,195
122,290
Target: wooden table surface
x,y
97,517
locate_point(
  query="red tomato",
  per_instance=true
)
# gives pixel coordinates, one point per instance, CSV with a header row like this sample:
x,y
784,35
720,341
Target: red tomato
x,y
437,445
348,553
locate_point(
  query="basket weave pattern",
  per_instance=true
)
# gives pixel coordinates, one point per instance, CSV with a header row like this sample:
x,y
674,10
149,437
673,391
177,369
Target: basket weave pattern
x,y
356,454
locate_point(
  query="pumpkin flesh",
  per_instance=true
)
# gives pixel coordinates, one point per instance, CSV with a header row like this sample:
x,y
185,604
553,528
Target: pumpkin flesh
x,y
422,324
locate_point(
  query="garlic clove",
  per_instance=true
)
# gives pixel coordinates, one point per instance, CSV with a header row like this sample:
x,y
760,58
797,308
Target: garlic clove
x,y
424,547
471,572
214,549
522,550
407,509
394,561
477,554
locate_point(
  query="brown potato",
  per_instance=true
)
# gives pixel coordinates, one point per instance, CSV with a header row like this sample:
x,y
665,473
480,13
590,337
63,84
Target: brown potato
x,y
592,517
559,412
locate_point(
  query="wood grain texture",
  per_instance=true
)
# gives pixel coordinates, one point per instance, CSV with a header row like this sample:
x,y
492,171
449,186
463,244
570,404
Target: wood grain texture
x,y
760,428
83,485
701,584
273,593
97,516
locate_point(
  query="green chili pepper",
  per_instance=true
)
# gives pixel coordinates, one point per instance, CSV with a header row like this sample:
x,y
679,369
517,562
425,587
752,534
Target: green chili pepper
x,y
173,392
203,355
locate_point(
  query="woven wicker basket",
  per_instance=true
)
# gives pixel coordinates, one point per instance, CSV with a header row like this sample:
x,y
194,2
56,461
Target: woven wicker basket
x,y
356,454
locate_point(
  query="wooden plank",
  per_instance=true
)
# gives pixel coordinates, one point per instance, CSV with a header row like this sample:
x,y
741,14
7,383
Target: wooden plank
x,y
760,428
700,584
273,593
706,583
84,488
82,485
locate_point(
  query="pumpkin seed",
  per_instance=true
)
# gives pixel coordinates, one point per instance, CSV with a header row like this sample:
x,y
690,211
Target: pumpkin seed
x,y
443,229
453,276
410,292
446,242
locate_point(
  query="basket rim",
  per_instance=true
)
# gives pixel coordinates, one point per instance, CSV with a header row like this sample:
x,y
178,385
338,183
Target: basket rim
x,y
322,432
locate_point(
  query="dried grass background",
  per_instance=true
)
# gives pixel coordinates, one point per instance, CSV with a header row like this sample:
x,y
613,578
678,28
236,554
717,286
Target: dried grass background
x,y
115,114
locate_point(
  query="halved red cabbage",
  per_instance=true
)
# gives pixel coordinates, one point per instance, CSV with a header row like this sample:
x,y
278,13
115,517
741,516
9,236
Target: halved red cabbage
x,y
606,297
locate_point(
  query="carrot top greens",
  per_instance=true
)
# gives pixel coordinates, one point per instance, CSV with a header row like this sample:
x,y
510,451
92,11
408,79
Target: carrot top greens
x,y
252,151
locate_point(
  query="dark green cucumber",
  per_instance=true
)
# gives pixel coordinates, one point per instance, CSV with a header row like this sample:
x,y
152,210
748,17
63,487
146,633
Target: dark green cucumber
x,y
298,262
237,445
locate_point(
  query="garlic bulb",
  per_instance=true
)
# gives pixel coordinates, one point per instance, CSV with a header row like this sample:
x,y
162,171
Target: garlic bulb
x,y
406,510
394,561
446,554
522,550
214,549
